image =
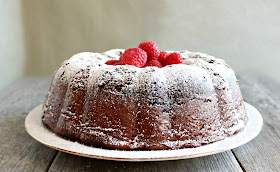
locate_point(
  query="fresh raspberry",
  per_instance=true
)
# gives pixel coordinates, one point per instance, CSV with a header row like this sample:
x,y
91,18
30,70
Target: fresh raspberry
x,y
112,62
162,56
173,58
134,56
155,63
151,48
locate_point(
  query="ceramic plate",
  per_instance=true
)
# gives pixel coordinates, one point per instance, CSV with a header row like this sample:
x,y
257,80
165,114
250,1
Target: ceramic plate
x,y
42,134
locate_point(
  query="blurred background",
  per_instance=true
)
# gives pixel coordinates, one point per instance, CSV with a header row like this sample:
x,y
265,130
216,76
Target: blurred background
x,y
36,36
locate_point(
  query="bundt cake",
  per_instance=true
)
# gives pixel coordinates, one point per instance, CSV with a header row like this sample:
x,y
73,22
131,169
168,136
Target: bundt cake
x,y
127,107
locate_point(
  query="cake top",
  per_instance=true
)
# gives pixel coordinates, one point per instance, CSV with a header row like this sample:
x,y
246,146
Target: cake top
x,y
198,72
196,68
99,59
146,55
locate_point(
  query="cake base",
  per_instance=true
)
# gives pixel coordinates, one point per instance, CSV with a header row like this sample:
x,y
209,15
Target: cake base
x,y
35,127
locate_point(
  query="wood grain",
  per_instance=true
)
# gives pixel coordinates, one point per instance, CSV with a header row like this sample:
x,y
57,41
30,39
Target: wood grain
x,y
220,162
23,95
18,151
262,153
263,82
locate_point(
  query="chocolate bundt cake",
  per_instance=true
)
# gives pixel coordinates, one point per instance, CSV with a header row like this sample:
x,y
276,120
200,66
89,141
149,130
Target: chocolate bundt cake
x,y
126,107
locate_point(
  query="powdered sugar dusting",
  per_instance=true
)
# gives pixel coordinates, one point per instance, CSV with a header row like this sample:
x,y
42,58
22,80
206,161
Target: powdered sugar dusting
x,y
182,105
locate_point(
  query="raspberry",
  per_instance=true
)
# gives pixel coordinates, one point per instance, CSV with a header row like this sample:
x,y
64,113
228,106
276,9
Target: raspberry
x,y
151,48
112,62
173,58
155,63
162,56
134,56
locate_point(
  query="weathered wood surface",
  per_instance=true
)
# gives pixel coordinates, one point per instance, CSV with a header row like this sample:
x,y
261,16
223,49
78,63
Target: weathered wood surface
x,y
263,153
219,163
19,152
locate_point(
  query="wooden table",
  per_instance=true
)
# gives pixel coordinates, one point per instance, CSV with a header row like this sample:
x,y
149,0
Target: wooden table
x,y
20,152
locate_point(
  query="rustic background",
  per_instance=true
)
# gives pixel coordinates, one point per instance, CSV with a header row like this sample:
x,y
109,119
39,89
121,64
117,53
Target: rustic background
x,y
36,36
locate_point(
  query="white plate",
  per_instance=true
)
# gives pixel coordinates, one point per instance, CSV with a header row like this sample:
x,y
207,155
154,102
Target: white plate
x,y
35,127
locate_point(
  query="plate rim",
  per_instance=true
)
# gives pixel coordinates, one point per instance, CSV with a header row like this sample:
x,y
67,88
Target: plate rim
x,y
126,155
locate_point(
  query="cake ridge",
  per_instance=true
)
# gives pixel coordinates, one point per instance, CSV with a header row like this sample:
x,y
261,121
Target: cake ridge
x,y
223,89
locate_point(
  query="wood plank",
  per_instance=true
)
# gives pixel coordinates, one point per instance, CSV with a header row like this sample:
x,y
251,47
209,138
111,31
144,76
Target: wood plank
x,y
220,162
23,95
18,151
262,153
258,96
266,84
